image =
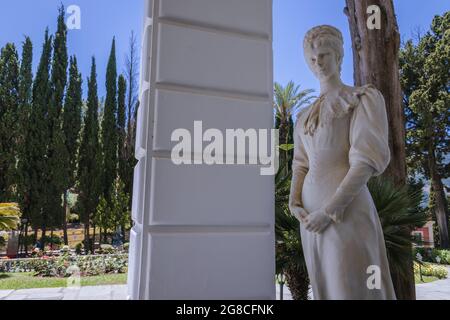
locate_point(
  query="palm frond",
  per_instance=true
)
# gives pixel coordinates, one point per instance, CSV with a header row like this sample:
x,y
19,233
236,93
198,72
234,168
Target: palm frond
x,y
9,216
400,213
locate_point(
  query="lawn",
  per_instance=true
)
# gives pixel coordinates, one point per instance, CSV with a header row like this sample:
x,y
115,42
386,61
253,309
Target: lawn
x,y
426,279
12,281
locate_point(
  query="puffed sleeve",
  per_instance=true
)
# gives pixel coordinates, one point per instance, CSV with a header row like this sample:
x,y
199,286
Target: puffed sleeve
x,y
300,167
369,153
369,142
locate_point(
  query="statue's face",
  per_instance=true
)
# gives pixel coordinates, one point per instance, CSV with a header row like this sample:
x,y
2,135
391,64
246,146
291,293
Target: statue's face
x,y
323,61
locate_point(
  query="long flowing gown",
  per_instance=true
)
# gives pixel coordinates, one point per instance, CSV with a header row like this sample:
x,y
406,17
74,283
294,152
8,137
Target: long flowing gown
x,y
352,130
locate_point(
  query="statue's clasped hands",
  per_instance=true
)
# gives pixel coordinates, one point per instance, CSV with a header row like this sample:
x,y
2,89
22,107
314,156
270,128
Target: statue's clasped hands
x,y
317,221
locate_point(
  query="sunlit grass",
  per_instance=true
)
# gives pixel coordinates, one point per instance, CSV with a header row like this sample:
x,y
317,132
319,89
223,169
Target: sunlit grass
x,y
14,281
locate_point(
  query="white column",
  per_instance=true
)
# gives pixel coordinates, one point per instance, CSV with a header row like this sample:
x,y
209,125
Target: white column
x,y
202,232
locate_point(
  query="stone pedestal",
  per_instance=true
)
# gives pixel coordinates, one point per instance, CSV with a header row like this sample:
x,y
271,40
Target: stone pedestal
x,y
202,232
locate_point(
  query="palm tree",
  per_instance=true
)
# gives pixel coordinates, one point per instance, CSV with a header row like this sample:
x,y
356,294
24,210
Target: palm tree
x,y
287,100
290,261
9,216
400,213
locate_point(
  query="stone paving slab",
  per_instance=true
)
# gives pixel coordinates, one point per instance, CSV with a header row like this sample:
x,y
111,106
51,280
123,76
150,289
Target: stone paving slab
x,y
437,290
5,293
16,297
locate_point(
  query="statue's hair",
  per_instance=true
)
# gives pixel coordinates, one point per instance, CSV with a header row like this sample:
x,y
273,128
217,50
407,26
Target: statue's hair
x,y
324,35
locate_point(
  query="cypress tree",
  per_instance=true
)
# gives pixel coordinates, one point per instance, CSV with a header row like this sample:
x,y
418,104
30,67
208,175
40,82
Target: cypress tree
x,y
109,127
71,130
123,161
37,136
25,99
89,174
121,124
56,148
9,104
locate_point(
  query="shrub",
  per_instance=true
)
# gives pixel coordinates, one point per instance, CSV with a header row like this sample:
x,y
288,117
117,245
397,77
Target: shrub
x,y
106,249
79,248
431,270
58,266
433,255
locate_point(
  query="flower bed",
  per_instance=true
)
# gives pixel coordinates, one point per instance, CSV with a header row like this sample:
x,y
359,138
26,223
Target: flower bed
x,y
66,264
428,269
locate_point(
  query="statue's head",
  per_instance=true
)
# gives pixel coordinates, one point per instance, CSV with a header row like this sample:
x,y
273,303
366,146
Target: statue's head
x,y
324,51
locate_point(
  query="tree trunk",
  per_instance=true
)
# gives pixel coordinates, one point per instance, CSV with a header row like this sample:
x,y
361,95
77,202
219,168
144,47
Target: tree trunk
x,y
283,138
376,61
26,239
44,231
51,240
440,201
86,236
93,238
66,239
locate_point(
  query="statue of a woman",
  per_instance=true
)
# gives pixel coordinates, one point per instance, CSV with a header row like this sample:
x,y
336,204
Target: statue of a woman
x,y
341,140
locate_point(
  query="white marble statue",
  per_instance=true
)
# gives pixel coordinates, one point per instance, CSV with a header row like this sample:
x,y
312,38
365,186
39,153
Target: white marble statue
x,y
341,140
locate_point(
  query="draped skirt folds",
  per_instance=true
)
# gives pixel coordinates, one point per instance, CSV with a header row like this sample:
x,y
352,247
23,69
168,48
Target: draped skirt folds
x,y
348,260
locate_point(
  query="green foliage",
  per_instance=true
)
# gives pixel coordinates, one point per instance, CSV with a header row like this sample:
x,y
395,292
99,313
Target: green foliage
x,y
79,248
9,116
55,240
121,124
25,105
59,266
430,270
425,75
90,157
287,101
399,211
56,169
425,78
109,127
72,121
434,255
34,162
102,218
290,260
110,216
9,216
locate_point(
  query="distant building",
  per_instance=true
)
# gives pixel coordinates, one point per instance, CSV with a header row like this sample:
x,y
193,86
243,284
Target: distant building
x,y
424,236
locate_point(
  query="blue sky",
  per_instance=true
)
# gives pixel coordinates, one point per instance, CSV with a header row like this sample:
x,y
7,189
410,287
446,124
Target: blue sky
x,y
293,18
103,19
100,21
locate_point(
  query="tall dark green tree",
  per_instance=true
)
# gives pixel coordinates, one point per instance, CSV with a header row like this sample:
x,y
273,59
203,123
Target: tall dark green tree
x,y
121,127
9,114
56,152
123,156
109,126
25,100
37,137
71,129
89,174
425,79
